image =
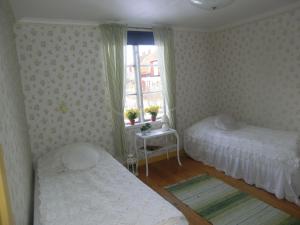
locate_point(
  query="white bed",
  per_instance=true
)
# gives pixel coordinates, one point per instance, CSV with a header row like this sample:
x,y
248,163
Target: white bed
x,y
105,194
267,158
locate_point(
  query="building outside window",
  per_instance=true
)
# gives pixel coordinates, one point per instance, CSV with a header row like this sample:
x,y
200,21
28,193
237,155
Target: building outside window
x,y
143,81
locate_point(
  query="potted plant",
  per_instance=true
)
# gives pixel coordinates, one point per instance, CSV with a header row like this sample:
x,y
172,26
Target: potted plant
x,y
132,114
145,128
153,110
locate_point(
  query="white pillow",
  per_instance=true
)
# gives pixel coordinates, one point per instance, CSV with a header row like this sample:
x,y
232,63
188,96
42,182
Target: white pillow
x,y
79,156
225,122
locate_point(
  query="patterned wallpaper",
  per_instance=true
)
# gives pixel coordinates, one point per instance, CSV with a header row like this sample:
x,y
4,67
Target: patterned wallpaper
x,y
257,69
251,71
195,98
64,84
13,127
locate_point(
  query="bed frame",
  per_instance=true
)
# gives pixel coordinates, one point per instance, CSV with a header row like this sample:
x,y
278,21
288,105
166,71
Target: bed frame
x,y
5,206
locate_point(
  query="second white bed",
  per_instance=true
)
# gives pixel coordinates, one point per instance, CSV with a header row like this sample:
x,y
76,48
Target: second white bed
x,y
264,157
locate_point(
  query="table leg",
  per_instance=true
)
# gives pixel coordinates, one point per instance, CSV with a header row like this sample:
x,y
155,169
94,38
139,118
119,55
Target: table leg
x,y
146,157
178,153
137,155
166,142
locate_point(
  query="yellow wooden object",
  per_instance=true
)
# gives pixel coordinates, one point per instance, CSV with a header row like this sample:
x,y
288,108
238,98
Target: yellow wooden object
x,y
5,207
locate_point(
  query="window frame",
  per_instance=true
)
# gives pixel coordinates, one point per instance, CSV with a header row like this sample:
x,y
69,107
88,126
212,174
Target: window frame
x,y
138,87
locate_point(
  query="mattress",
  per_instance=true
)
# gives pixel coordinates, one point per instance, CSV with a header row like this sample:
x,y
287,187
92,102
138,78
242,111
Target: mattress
x,y
105,194
264,157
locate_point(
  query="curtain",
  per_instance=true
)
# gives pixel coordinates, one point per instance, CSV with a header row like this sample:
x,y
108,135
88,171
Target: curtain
x,y
164,40
114,37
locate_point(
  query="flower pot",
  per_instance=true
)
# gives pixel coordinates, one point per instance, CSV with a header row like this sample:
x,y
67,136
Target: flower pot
x,y
132,122
153,118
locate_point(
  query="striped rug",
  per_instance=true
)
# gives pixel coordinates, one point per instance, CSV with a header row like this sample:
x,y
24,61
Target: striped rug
x,y
222,204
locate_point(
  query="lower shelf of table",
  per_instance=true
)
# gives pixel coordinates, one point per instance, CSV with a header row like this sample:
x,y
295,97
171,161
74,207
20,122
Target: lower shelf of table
x,y
157,151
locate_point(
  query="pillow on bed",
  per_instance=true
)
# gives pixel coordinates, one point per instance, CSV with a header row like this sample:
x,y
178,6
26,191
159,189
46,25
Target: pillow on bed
x,y
79,157
225,122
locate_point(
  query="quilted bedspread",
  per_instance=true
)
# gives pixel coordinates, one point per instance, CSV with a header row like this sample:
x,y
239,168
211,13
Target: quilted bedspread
x,y
267,158
106,194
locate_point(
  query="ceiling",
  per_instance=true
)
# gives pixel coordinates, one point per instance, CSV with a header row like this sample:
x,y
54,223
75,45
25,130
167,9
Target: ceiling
x,y
176,13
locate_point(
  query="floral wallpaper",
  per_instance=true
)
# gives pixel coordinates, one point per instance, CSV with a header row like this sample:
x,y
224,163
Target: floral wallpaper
x,y
194,85
64,84
250,71
257,71
13,127
65,91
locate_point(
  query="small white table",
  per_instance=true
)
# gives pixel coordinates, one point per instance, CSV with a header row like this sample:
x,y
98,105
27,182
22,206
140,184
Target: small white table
x,y
154,134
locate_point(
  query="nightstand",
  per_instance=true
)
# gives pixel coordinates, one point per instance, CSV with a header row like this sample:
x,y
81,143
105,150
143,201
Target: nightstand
x,y
155,134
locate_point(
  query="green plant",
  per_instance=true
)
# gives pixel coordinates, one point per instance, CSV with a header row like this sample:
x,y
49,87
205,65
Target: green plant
x,y
63,108
153,110
132,114
146,127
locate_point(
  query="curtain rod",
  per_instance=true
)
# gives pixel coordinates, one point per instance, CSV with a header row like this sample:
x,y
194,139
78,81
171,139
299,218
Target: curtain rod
x,y
140,28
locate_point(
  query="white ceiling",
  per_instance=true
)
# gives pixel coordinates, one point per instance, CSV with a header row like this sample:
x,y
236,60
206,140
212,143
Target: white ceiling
x,y
177,13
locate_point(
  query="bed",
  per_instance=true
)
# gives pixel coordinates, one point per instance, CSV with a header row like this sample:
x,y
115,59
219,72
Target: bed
x,y
103,194
266,158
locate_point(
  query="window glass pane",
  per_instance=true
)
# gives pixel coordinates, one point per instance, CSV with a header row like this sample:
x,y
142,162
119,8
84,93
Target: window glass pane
x,y
151,84
130,102
129,55
148,55
150,70
130,80
150,74
152,99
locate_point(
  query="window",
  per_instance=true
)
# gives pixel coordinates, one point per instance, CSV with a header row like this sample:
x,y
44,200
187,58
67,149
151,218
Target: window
x,y
143,82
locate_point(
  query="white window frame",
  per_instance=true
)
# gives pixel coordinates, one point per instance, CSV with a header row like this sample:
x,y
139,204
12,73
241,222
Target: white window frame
x,y
138,92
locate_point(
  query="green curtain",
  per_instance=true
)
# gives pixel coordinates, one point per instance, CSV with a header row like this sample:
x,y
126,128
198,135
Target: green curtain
x,y
114,38
164,39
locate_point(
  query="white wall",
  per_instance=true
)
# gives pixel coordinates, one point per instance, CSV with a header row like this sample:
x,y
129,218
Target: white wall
x,y
13,127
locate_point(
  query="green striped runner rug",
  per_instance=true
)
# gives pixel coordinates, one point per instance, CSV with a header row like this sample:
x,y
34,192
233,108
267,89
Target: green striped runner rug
x,y
221,204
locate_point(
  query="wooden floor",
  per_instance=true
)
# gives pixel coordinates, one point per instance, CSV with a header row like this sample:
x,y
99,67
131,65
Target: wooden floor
x,y
168,172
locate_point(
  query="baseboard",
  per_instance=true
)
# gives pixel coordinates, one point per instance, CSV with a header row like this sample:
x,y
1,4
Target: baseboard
x,y
161,157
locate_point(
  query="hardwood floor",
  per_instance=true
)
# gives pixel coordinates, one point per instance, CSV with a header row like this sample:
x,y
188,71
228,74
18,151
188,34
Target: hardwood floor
x,y
168,172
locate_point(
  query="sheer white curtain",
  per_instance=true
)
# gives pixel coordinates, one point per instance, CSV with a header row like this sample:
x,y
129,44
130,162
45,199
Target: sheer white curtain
x,y
164,40
114,37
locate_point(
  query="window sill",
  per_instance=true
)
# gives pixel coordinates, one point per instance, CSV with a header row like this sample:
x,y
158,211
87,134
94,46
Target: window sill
x,y
139,125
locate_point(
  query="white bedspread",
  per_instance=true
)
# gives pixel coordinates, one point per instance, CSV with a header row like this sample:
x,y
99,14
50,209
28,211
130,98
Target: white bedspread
x,y
264,157
106,194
